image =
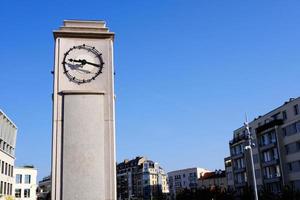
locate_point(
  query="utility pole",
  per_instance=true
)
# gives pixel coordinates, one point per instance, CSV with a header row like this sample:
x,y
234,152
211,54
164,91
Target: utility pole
x,y
249,147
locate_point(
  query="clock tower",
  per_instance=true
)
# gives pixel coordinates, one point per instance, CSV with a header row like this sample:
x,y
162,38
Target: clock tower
x,y
83,135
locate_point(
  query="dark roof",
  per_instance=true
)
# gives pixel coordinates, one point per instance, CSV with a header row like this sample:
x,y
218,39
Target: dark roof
x,y
129,163
212,175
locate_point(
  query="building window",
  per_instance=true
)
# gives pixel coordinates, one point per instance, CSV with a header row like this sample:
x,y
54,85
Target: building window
x,y
290,166
229,175
284,115
1,187
4,190
275,116
27,179
19,178
12,171
26,193
291,129
18,193
5,168
298,145
287,149
8,188
8,170
2,167
296,109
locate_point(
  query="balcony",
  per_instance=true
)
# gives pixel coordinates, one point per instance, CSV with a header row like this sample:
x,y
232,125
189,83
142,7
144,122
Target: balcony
x,y
239,170
242,184
273,178
268,146
271,124
238,139
269,163
238,155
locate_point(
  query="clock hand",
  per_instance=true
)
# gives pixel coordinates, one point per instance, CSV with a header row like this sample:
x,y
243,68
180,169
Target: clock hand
x,y
94,64
80,61
76,67
83,62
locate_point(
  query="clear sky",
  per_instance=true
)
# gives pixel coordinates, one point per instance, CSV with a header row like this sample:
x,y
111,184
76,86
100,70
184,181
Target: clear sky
x,y
186,72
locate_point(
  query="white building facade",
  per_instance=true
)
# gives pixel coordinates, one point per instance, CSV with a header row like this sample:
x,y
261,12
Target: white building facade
x,y
8,134
141,179
154,179
25,183
184,179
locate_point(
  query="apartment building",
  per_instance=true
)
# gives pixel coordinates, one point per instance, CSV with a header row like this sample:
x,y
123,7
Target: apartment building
x,y
212,180
184,179
276,150
140,178
8,134
25,185
229,173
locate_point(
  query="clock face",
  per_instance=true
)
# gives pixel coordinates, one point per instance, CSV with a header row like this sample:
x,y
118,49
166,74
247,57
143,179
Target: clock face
x,y
82,63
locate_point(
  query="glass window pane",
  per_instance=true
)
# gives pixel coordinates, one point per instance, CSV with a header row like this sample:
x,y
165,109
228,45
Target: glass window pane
x,y
26,193
18,193
27,179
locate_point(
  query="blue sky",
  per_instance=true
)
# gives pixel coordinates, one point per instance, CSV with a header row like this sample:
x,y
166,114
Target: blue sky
x,y
186,72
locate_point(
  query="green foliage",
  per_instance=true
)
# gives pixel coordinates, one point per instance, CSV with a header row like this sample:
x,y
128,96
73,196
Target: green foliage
x,y
287,193
205,194
9,198
160,196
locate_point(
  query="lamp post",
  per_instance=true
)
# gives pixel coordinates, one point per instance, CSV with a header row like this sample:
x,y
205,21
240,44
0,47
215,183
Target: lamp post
x,y
249,147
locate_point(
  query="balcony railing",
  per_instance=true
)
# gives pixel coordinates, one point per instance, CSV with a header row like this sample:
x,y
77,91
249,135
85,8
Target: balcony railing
x,y
237,139
239,170
272,178
276,122
241,184
237,155
269,163
268,146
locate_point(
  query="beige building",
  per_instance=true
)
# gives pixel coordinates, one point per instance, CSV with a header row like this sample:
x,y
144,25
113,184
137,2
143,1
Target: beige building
x,y
212,180
184,179
8,134
276,151
229,173
140,178
25,185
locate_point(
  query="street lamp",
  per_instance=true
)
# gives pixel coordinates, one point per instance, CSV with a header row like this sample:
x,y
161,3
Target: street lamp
x,y
249,147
